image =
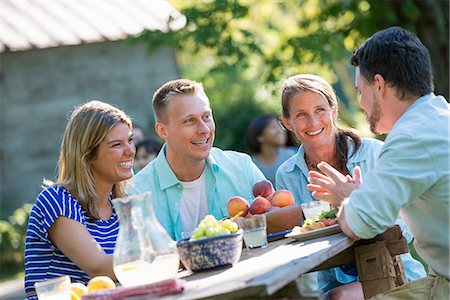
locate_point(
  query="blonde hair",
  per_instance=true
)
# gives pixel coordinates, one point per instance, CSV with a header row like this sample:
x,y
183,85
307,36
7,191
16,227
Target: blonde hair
x,y
87,127
170,89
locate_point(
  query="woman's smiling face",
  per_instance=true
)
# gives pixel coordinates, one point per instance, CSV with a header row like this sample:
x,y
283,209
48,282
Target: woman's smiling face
x,y
311,119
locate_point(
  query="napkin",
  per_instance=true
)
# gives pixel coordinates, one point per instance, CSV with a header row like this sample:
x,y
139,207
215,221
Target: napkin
x,y
157,289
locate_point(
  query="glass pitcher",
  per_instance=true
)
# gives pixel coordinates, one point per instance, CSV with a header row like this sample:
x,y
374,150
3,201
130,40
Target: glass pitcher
x,y
144,252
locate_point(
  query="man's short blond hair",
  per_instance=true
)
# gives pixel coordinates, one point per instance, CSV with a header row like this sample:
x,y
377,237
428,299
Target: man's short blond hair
x,y
163,96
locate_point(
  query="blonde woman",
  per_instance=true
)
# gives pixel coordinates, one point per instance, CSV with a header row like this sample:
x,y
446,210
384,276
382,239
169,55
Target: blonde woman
x,y
73,226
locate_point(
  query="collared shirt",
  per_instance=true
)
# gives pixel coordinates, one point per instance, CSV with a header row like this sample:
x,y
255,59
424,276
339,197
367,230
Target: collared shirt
x,y
228,174
293,176
412,177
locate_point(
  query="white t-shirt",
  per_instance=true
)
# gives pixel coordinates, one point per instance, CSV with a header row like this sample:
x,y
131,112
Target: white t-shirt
x,y
193,204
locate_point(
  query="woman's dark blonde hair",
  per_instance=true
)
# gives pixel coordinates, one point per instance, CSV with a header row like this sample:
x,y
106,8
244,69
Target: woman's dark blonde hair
x,y
307,82
86,129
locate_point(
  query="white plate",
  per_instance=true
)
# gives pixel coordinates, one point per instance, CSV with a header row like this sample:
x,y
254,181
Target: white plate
x,y
312,234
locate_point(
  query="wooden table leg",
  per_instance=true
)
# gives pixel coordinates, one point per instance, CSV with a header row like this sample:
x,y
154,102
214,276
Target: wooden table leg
x,y
399,271
375,267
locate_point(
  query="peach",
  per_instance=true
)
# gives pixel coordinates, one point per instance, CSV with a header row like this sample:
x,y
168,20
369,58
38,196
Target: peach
x,y
282,198
259,205
237,204
263,188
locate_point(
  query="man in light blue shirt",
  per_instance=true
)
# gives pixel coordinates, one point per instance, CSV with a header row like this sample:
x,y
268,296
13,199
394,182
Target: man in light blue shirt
x,y
412,175
293,175
189,178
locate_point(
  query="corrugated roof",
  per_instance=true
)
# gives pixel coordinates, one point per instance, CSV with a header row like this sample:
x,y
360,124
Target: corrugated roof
x,y
28,24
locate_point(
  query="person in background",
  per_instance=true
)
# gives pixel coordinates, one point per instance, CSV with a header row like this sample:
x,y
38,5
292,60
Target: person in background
x,y
73,226
146,151
412,176
190,178
138,134
267,139
310,110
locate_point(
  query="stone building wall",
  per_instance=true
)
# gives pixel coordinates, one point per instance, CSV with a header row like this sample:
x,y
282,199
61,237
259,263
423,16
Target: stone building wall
x,y
38,90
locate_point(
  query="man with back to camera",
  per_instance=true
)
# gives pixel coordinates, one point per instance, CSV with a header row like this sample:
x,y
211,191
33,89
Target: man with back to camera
x,y
412,176
190,178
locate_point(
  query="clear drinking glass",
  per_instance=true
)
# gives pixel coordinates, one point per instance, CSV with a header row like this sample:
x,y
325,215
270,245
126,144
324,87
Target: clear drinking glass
x,y
54,289
144,251
312,209
254,228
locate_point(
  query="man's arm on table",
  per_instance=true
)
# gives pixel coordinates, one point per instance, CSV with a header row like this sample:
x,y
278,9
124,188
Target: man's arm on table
x,y
344,226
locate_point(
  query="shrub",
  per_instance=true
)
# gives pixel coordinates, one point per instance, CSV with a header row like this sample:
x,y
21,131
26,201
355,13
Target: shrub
x,y
12,241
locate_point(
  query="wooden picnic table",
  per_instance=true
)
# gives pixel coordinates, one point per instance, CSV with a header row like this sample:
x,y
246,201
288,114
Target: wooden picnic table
x,y
262,272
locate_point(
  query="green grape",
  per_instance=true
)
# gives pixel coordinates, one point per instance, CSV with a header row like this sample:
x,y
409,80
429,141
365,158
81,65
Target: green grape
x,y
198,232
211,231
202,226
233,227
209,224
226,223
210,218
223,231
210,227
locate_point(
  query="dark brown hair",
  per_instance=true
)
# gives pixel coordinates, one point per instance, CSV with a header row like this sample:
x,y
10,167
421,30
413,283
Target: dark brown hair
x,y
400,57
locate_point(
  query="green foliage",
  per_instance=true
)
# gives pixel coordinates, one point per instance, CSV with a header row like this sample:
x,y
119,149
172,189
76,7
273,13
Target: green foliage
x,y
242,49
12,241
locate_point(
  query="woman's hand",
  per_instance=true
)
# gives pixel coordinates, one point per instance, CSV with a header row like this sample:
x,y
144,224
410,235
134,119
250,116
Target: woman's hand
x,y
333,187
75,241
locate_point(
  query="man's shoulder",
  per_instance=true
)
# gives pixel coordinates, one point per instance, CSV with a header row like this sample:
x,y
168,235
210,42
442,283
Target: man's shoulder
x,y
230,162
145,172
142,181
219,154
428,113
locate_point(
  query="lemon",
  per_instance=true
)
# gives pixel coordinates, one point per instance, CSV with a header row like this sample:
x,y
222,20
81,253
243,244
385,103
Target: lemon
x,y
78,288
129,268
100,283
74,296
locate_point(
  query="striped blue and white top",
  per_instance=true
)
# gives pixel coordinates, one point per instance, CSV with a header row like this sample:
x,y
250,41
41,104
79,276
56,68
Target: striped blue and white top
x,y
43,260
